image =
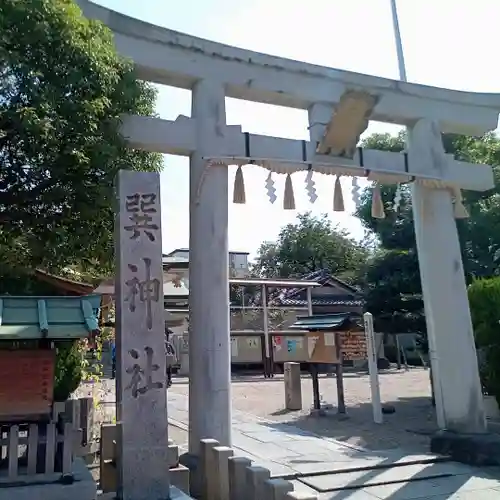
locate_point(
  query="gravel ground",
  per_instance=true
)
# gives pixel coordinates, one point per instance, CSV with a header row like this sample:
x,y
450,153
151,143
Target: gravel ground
x,y
407,391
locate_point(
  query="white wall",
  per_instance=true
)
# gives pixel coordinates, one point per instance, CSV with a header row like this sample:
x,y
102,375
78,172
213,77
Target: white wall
x,y
238,262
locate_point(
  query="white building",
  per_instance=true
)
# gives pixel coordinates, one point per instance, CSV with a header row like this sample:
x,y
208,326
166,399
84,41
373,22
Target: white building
x,y
238,261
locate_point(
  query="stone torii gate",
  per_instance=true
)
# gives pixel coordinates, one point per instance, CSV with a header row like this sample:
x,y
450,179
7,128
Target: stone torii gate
x,y
339,104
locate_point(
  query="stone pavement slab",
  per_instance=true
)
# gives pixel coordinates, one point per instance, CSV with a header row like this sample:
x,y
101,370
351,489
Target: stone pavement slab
x,y
371,477
297,454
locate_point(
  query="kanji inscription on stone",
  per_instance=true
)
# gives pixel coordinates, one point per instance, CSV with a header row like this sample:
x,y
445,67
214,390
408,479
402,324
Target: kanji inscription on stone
x,y
141,209
140,340
146,290
141,372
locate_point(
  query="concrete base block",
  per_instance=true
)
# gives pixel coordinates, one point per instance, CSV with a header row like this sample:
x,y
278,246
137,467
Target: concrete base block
x,y
108,479
173,455
175,494
179,477
472,449
33,488
192,462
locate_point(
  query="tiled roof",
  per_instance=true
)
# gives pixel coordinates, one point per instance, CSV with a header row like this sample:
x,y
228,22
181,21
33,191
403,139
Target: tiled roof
x,y
338,321
295,296
322,301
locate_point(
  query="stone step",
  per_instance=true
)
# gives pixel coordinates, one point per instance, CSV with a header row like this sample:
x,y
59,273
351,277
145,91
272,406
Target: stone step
x,y
179,477
375,477
108,474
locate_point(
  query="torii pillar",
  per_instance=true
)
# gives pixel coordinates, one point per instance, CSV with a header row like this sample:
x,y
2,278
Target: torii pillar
x,y
209,343
459,400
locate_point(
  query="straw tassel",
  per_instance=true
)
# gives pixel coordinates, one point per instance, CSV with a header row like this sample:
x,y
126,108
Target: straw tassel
x,y
239,187
377,203
338,197
459,210
289,198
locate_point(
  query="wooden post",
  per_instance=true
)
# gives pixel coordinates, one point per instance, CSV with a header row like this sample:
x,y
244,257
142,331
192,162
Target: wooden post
x,y
398,352
315,386
140,344
339,375
293,387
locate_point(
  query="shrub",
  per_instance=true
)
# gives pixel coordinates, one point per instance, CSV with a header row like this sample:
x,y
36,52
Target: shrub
x,y
484,301
68,370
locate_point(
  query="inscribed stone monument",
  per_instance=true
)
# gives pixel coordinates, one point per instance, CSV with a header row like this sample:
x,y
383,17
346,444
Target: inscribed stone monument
x,y
141,372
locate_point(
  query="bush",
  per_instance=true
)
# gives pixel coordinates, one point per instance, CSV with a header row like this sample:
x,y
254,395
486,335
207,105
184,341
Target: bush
x,y
484,301
69,369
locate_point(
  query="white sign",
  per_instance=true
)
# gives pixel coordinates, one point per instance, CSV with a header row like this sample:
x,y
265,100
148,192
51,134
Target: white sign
x,y
234,347
372,369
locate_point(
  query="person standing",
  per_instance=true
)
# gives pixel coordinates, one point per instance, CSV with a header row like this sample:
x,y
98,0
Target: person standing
x,y
113,358
170,353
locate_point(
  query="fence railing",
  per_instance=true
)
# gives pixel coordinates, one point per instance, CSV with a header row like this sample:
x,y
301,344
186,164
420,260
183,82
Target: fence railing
x,y
80,414
37,449
225,476
45,451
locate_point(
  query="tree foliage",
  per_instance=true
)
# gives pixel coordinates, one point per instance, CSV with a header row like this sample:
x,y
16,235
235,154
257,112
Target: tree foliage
x,y
310,244
64,90
479,236
484,301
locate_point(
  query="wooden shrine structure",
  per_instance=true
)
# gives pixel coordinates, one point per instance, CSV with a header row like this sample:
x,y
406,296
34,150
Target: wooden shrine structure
x,y
31,328
331,339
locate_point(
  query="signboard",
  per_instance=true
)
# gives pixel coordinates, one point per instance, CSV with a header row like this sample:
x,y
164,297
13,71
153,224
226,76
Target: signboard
x,y
321,347
26,382
353,345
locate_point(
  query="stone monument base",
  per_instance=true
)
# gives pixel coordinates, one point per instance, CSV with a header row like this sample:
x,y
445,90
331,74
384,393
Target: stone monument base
x,y
472,449
47,487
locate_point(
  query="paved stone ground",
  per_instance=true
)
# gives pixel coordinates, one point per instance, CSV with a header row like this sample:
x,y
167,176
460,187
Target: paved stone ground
x,y
408,391
335,470
389,466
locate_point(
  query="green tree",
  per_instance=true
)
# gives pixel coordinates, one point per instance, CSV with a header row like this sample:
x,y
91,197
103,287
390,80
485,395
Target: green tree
x,y
479,236
64,89
484,300
392,291
310,244
63,92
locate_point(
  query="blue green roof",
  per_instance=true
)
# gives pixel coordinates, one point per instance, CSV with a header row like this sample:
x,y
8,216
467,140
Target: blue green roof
x,y
338,321
32,318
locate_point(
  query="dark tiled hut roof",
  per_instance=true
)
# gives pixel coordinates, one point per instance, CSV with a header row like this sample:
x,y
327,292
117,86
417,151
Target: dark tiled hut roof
x,y
297,296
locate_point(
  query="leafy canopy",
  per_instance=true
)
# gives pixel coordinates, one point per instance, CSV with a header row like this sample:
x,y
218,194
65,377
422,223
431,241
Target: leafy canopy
x,y
484,301
310,244
63,90
391,277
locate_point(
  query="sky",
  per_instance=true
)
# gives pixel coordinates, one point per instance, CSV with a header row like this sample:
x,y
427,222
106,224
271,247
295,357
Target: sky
x,y
447,43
